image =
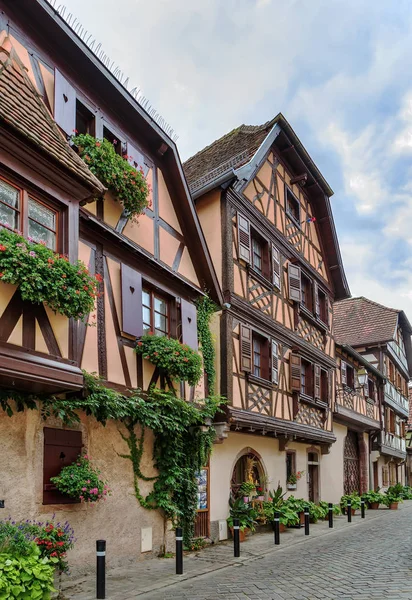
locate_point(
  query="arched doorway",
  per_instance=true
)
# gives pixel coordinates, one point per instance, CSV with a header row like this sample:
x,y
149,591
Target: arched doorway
x,y
247,466
351,464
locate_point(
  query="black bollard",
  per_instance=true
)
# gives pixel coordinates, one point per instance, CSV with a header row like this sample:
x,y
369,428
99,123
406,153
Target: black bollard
x,y
349,511
236,540
179,551
362,506
277,528
100,569
306,511
330,514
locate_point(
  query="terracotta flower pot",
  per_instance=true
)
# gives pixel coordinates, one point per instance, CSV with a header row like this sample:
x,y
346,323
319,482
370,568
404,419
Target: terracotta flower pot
x,y
393,506
374,505
302,518
282,527
242,534
353,510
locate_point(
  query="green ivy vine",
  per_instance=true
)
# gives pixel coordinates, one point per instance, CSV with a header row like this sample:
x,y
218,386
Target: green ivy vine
x,y
205,309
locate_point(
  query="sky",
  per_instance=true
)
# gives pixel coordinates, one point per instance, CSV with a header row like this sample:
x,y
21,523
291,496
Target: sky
x,y
339,71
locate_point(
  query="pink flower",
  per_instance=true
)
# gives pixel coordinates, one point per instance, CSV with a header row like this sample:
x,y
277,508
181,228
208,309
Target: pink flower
x,y
84,489
42,242
81,497
86,457
32,253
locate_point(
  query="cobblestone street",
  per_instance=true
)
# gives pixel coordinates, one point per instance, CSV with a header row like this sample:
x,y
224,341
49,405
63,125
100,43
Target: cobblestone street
x,y
369,559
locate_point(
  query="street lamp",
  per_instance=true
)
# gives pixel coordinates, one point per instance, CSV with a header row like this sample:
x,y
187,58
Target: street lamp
x,y
362,377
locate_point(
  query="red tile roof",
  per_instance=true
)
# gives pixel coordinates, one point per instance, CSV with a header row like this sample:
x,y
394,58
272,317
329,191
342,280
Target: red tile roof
x,y
359,321
23,109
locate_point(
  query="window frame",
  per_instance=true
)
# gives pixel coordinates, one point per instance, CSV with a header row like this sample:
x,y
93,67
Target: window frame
x,y
290,460
26,193
265,362
350,376
264,245
306,291
161,296
88,115
324,385
307,379
119,146
290,195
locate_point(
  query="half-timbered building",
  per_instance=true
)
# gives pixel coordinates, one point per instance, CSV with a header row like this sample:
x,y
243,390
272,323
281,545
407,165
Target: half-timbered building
x,y
152,271
265,210
382,336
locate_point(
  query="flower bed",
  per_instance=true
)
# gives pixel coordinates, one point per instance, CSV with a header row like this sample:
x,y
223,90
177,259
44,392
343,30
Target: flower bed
x,y
45,276
179,361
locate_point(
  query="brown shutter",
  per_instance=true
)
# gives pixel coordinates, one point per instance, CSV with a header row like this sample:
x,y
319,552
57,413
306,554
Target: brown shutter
x,y
276,267
295,283
132,315
64,104
136,159
317,381
245,348
275,362
189,324
61,448
344,377
243,231
295,366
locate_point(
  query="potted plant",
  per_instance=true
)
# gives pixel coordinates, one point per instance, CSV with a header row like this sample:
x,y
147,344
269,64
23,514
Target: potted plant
x,y
325,508
373,499
287,516
393,496
293,479
81,481
245,513
316,512
247,490
297,505
354,500
260,494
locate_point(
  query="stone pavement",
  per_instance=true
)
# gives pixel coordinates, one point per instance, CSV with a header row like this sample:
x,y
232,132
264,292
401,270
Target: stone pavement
x,y
368,559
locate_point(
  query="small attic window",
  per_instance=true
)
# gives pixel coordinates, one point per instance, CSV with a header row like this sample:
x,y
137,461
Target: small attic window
x,y
85,122
292,206
113,139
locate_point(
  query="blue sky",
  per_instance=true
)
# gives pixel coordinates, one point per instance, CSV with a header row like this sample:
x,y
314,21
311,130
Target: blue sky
x,y
338,70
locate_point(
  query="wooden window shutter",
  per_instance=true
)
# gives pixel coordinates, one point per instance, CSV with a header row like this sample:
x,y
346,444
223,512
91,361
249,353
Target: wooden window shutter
x,y
295,367
295,283
330,387
276,267
189,324
64,104
61,448
136,159
317,380
243,231
245,348
316,302
275,362
344,377
132,312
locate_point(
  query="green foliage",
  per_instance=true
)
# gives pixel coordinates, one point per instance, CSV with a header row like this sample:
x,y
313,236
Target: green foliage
x,y
296,504
14,540
407,493
372,497
316,512
393,494
244,511
27,577
127,184
44,276
247,489
325,506
82,481
177,360
354,499
196,544
205,309
277,496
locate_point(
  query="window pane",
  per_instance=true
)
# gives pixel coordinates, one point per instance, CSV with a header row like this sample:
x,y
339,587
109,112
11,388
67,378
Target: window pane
x,y
160,305
42,214
9,194
146,298
146,328
146,316
159,332
8,216
41,234
160,322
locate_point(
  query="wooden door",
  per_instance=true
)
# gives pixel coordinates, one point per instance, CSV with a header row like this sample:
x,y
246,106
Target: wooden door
x,y
351,463
313,472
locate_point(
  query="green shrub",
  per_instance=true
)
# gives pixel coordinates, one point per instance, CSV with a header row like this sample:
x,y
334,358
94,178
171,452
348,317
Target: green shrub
x,y
354,499
82,481
26,577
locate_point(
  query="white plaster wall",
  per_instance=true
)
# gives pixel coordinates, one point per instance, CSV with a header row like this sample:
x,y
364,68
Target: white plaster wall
x,y
332,467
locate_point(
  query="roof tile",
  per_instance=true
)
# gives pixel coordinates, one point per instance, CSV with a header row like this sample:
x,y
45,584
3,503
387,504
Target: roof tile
x,y
359,321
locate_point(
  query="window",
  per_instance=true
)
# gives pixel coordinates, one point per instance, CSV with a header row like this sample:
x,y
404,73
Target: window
x,y
42,223
306,379
391,372
155,313
10,203
113,139
290,464
260,356
307,297
35,218
257,255
85,122
292,206
371,389
321,306
61,448
350,377
260,255
324,386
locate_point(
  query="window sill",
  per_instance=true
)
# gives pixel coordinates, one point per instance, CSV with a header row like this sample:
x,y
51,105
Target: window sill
x,y
314,320
313,402
260,277
294,221
259,381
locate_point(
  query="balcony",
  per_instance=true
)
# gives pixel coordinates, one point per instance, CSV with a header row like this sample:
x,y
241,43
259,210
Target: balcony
x,y
392,445
351,408
395,400
396,352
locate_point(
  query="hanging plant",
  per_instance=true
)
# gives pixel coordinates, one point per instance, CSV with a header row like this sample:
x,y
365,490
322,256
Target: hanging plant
x,y
177,360
42,275
127,184
81,481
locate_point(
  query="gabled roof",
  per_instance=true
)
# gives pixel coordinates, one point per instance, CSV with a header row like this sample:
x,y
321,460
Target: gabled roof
x,y
22,109
238,154
361,322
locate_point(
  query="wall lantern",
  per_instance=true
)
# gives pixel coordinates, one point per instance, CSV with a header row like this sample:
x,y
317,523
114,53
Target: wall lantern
x,y
362,377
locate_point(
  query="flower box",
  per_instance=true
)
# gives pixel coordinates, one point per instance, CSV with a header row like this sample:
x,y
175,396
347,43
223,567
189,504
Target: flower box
x,y
291,486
